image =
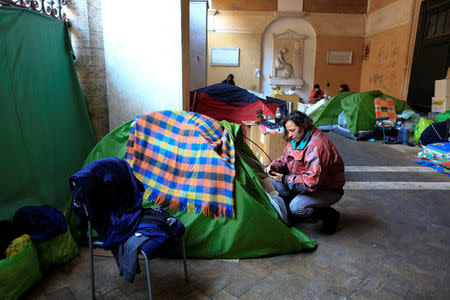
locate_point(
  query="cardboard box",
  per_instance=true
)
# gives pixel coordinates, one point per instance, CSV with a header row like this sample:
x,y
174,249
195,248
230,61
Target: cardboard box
x,y
272,143
440,104
251,131
294,99
442,88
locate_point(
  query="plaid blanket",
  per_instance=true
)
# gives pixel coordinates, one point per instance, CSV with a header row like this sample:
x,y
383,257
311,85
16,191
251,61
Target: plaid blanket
x,y
185,161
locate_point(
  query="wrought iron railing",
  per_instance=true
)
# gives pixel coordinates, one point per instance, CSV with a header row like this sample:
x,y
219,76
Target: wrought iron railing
x,y
48,7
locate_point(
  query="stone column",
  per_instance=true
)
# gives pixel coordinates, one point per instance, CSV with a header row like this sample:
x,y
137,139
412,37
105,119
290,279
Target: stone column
x,y
86,33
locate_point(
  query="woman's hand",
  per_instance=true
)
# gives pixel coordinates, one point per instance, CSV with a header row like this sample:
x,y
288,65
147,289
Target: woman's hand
x,y
276,176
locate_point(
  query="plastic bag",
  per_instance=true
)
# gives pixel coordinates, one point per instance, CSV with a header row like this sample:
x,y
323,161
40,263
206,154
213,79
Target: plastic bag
x,y
19,272
58,250
420,127
443,116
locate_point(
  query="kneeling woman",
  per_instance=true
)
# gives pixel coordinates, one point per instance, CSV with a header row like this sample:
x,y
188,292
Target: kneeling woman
x,y
309,176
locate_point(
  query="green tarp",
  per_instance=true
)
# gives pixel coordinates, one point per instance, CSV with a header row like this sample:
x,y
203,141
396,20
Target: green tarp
x,y
256,230
46,131
359,110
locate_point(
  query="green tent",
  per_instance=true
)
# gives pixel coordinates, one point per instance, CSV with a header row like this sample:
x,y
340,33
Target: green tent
x,y
255,231
328,113
46,131
359,111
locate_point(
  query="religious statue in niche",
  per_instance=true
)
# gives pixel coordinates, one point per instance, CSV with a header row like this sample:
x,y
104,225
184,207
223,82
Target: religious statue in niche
x,y
282,65
287,65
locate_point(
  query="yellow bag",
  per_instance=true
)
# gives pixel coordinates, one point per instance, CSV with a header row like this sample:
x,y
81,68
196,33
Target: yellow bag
x,y
17,245
19,272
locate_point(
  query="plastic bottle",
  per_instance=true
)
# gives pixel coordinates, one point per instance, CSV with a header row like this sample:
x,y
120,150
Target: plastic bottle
x,y
278,113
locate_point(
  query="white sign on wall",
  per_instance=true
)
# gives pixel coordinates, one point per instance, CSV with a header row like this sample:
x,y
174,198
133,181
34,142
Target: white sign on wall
x,y
224,56
336,57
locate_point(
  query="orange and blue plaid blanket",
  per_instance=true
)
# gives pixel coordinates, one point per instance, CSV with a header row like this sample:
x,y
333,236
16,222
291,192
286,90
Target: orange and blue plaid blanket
x,y
185,161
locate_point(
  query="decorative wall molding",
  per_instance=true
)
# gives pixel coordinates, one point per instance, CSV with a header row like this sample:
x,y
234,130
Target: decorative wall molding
x,y
280,13
287,64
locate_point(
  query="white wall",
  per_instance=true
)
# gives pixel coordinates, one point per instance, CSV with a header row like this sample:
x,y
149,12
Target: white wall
x,y
143,58
198,38
300,26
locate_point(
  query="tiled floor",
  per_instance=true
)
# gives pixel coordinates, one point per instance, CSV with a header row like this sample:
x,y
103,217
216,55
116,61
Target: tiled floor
x,y
391,244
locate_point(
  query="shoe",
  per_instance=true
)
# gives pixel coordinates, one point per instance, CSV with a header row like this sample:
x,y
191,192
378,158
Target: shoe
x,y
280,206
329,217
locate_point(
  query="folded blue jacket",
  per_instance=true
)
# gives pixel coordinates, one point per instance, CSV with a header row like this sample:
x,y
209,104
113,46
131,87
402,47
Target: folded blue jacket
x,y
113,198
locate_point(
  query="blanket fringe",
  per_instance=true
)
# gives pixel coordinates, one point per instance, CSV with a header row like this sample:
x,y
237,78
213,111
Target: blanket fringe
x,y
206,210
174,204
221,212
159,200
191,208
184,205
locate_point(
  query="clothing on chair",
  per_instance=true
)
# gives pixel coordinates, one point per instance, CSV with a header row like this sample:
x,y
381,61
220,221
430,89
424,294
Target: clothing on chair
x,y
157,229
108,196
126,256
113,198
161,218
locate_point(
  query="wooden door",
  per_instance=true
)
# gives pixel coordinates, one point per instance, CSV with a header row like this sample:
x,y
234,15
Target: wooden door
x,y
431,57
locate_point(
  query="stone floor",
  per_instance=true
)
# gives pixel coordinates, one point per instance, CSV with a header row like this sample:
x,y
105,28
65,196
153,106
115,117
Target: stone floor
x,y
392,243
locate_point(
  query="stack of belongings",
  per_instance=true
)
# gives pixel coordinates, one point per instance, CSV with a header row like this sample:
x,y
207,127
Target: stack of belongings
x,y
47,228
112,197
437,156
37,237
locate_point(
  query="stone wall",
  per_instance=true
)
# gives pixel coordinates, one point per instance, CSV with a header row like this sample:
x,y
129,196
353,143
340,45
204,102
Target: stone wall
x,y
86,32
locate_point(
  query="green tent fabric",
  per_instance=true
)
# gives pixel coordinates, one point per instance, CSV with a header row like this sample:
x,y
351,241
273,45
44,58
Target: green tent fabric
x,y
359,110
255,231
46,131
328,113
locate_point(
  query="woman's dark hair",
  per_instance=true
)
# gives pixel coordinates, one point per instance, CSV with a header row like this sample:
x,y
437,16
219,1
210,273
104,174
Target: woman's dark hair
x,y
300,119
344,87
316,86
231,76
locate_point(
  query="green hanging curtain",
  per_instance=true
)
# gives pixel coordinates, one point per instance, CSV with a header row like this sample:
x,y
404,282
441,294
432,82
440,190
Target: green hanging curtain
x,y
46,131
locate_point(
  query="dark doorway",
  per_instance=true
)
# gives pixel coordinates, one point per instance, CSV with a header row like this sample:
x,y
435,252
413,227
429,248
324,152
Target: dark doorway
x,y
431,52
